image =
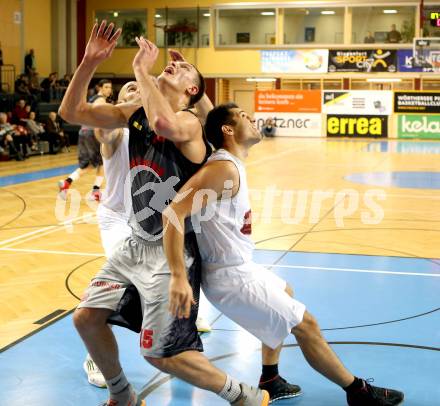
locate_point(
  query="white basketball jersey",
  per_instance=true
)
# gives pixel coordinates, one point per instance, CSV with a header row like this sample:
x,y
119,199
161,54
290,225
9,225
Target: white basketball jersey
x,y
225,235
115,170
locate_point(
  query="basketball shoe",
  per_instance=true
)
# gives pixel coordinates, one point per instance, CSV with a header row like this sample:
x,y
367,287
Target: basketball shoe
x,y
251,396
63,186
369,395
279,388
94,375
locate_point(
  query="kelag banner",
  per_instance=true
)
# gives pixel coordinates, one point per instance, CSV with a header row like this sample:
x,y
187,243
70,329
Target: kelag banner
x,y
357,126
417,102
418,126
368,60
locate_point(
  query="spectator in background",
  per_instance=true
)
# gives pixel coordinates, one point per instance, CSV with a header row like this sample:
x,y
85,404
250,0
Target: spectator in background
x,y
35,129
50,88
369,39
29,63
269,128
55,135
21,86
394,36
14,138
20,112
64,82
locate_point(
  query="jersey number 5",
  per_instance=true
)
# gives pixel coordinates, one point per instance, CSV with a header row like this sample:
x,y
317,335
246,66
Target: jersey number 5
x,y
147,339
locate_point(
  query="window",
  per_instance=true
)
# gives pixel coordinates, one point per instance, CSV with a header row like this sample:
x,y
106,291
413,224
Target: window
x,y
314,25
246,26
186,27
386,24
431,29
132,22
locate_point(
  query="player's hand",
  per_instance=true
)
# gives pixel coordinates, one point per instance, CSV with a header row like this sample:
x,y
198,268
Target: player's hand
x,y
101,43
146,56
176,56
180,297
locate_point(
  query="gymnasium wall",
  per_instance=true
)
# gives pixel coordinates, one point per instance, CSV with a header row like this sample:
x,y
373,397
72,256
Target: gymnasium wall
x,y
36,20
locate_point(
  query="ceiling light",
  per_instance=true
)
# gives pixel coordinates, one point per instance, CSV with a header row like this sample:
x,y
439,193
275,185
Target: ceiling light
x,y
261,80
267,13
390,11
384,80
206,14
115,14
158,16
327,12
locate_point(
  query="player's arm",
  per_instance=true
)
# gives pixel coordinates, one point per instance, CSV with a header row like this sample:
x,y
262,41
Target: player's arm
x,y
109,140
74,107
177,127
192,197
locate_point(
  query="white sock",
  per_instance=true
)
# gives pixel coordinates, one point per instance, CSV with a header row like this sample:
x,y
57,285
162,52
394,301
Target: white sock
x,y
118,384
231,391
75,175
98,181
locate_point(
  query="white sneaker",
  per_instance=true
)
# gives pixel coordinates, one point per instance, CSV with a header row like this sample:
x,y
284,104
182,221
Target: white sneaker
x,y
202,325
94,375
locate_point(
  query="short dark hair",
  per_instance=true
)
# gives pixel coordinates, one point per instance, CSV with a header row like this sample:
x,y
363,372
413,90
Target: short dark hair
x,y
216,118
200,82
103,82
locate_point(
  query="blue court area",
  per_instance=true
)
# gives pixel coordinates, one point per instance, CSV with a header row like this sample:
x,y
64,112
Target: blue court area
x,y
402,179
404,147
36,175
381,314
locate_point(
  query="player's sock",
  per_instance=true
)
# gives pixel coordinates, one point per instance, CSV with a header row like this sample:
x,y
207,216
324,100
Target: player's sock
x,y
355,385
269,372
98,181
74,175
119,388
231,391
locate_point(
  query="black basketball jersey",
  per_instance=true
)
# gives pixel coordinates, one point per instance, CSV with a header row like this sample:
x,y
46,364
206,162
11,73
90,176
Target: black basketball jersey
x,y
158,169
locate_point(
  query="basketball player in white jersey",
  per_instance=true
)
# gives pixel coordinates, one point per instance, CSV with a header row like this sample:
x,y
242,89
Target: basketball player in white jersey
x,y
252,296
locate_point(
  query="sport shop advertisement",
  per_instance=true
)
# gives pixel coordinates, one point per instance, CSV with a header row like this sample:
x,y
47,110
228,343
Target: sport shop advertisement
x,y
295,113
358,102
376,60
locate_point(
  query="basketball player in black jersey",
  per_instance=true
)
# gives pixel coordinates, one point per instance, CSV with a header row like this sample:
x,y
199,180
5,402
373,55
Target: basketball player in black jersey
x,y
166,147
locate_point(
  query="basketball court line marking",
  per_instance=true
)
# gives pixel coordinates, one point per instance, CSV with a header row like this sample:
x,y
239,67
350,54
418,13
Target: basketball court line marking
x,y
40,231
313,268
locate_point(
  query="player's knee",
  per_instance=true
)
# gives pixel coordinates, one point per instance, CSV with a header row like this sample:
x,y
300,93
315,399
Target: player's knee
x,y
160,363
86,319
289,290
308,326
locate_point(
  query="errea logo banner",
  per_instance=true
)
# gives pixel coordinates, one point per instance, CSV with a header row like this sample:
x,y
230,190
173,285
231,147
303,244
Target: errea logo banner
x,y
418,126
357,126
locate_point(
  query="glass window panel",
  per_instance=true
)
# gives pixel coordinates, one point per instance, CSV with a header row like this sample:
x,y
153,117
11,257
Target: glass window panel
x,y
314,26
431,29
182,28
249,26
133,24
385,24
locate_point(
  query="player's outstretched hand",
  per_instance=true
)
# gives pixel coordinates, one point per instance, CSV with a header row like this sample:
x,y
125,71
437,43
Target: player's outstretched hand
x,y
180,297
102,42
146,56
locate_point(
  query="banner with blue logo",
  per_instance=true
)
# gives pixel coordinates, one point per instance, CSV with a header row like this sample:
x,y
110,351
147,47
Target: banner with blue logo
x,y
405,61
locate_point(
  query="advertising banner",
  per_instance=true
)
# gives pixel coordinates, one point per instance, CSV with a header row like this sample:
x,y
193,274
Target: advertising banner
x,y
357,126
405,61
289,101
418,126
304,61
357,102
417,102
368,60
292,124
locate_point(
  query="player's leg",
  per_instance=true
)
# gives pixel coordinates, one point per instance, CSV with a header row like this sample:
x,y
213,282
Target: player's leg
x,y
90,319
270,379
94,150
321,357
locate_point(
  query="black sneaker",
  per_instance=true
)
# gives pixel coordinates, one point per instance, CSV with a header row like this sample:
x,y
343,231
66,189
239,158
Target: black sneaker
x,y
279,388
370,395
